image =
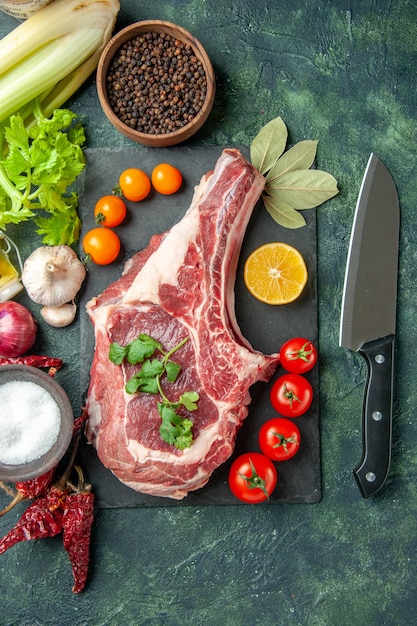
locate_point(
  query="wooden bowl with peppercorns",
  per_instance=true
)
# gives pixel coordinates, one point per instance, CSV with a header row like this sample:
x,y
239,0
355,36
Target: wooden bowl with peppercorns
x,y
155,83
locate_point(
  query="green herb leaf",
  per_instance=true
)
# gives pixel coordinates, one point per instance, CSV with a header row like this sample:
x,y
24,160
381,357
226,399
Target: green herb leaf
x,y
185,438
189,399
132,385
268,145
172,370
282,213
146,384
175,429
290,184
298,157
151,368
146,379
303,189
141,348
61,227
117,353
17,136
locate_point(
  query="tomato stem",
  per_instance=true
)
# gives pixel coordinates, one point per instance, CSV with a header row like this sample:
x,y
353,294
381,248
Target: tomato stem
x,y
302,353
100,218
254,481
284,441
290,395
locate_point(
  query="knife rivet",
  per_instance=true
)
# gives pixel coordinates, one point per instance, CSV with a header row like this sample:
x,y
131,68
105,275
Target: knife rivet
x,y
370,477
379,358
377,416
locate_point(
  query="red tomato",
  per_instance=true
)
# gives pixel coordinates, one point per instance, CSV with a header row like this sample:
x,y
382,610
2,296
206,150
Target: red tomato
x,y
279,439
291,395
252,477
110,211
102,245
166,179
298,355
135,184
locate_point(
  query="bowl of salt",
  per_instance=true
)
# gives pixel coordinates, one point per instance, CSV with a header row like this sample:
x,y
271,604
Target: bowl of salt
x,y
36,423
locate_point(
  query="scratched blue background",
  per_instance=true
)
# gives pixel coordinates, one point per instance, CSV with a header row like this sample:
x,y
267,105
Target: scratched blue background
x,y
343,73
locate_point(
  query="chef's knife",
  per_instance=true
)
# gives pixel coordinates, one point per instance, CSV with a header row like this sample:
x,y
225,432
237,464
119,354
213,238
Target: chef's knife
x,y
368,315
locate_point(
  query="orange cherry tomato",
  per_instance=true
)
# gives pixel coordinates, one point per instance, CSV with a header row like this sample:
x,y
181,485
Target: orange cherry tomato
x,y
135,184
166,179
102,245
110,211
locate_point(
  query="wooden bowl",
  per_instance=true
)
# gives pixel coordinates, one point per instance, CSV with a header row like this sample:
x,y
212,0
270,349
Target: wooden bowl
x,y
14,472
157,135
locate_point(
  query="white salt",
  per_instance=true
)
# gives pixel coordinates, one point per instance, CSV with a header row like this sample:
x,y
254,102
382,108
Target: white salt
x,y
29,422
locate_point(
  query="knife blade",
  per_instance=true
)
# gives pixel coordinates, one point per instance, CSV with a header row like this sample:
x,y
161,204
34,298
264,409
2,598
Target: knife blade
x,y
368,318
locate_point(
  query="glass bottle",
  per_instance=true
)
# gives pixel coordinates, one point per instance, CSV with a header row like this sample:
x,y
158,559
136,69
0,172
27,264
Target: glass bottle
x,y
10,284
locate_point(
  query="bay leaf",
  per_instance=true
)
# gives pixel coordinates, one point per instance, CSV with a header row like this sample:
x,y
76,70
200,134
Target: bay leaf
x,y
303,189
268,145
298,157
282,213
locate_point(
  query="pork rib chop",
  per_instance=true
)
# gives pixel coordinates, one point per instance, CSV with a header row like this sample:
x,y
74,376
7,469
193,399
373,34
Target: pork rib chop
x,y
180,286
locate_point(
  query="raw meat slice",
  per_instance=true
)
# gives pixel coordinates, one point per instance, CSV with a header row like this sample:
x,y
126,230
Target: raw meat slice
x,y
181,285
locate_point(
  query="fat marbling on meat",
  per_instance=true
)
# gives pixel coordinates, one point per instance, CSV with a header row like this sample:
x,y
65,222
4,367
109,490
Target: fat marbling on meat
x,y
180,286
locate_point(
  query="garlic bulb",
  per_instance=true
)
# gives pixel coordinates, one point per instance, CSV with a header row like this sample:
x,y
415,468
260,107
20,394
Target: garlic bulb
x,y
52,275
59,316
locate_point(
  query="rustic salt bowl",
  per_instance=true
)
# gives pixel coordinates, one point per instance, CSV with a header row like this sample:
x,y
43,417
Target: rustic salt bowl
x,y
105,89
48,460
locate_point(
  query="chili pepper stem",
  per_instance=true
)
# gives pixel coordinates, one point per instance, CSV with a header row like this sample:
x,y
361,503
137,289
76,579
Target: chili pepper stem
x,y
82,485
18,497
62,482
7,489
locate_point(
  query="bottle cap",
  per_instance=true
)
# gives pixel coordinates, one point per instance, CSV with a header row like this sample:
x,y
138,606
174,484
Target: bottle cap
x,y
10,290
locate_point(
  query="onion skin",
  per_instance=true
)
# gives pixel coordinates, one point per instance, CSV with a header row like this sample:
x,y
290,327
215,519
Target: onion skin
x,y
17,329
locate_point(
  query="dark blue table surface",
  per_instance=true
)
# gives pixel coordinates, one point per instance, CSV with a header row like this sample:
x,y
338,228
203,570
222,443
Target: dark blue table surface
x,y
343,73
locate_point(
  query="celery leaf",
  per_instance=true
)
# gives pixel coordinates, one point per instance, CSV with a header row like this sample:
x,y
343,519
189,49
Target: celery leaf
x,y
37,170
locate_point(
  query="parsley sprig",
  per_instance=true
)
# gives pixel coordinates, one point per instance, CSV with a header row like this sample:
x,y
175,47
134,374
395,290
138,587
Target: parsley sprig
x,y
175,429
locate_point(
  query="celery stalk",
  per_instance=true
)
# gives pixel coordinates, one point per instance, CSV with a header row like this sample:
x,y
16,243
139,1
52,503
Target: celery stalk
x,y
54,98
61,42
67,52
53,21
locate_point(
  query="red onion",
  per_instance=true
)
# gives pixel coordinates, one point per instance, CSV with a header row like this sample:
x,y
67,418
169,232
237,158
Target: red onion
x,y
17,329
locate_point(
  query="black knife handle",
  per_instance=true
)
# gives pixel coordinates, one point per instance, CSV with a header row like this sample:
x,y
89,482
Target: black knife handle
x,y
372,471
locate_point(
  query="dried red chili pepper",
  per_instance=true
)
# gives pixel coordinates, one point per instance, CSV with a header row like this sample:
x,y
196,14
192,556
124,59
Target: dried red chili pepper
x,y
80,421
33,360
30,489
77,522
35,486
42,518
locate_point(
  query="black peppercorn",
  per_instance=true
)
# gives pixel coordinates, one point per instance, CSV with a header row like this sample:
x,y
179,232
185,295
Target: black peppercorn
x,y
156,84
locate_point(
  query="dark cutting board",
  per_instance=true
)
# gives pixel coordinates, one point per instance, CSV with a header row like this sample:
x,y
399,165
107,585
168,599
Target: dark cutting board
x,y
265,326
